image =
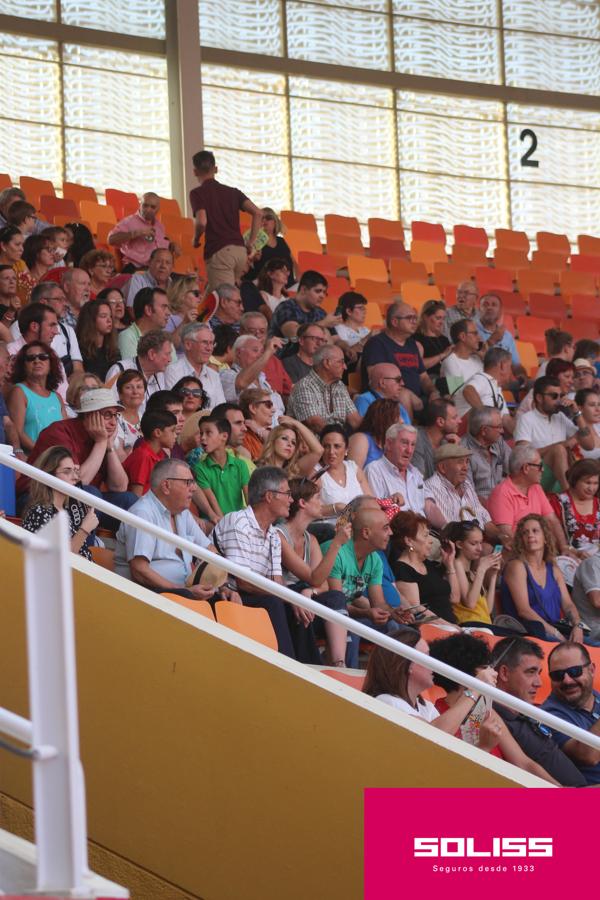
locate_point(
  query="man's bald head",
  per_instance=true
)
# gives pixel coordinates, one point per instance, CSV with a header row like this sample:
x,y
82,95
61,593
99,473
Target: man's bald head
x,y
400,315
383,378
149,206
371,525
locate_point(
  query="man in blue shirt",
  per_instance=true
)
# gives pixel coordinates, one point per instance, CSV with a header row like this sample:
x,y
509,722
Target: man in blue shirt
x,y
491,332
386,383
574,699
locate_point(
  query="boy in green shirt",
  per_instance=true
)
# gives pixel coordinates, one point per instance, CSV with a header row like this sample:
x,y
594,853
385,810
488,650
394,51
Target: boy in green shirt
x,y
221,475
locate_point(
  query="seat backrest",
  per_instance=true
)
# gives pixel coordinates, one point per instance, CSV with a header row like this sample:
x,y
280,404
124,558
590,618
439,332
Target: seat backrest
x,y
5,181
470,256
202,607
532,329
547,305
548,262
336,286
512,240
577,282
387,248
347,225
507,258
303,240
473,237
35,188
428,231
317,262
583,263
493,279
104,557
428,252
298,221
124,203
553,243
588,245
416,294
96,212
51,206
253,623
528,356
402,270
450,273
345,243
78,192
367,267
530,281
585,306
169,207
376,291
390,229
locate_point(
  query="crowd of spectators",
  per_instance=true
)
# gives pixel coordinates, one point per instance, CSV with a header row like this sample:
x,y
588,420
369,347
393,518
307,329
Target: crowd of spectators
x,y
405,476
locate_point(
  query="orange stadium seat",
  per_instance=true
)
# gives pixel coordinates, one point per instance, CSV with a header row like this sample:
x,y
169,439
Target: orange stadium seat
x,y
79,192
512,303
341,225
96,212
317,262
531,329
445,273
507,258
202,607
374,316
390,229
387,248
493,279
336,285
588,245
528,356
581,263
581,328
103,229
178,225
367,267
530,281
472,237
376,291
104,557
169,207
549,242
51,206
585,306
427,231
185,265
577,283
303,240
5,181
245,221
466,255
429,253
124,203
402,270
416,294
341,246
545,305
512,240
548,262
35,188
297,221
253,623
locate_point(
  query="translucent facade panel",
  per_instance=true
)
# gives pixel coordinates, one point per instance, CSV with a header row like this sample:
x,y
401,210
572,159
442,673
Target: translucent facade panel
x,y
250,25
342,132
243,120
474,12
351,190
371,5
452,146
263,178
115,60
341,92
334,35
548,115
446,105
438,198
143,18
22,97
112,101
246,79
118,161
448,51
576,17
568,210
30,9
551,63
33,48
31,150
564,157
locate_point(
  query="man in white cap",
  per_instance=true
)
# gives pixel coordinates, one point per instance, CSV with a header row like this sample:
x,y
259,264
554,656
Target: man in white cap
x,y
450,495
90,440
585,375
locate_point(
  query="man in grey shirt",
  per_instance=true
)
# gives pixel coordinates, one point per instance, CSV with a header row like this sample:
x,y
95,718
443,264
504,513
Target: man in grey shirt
x,y
489,451
586,594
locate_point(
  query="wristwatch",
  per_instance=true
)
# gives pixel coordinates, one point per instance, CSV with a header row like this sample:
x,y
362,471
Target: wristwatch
x,y
471,694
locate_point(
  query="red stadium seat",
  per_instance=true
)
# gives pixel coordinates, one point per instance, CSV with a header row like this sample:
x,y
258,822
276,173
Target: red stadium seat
x,y
390,229
489,280
427,231
544,305
531,329
472,237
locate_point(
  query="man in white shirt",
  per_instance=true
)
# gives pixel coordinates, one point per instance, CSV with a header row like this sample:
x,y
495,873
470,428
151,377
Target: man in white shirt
x,y
198,341
249,360
153,355
464,361
485,388
64,343
550,431
393,475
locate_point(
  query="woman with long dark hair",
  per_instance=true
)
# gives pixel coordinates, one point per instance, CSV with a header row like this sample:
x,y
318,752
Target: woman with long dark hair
x,y
97,337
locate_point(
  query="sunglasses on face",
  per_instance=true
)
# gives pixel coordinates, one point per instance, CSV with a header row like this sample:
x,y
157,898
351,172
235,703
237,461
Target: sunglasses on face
x,y
267,403
32,357
558,675
554,395
191,392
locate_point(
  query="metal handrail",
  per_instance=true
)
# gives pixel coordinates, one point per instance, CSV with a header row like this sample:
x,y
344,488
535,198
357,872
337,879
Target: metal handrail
x,y
289,596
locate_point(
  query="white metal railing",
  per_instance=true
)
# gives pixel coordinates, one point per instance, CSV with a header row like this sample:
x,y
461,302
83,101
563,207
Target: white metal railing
x,y
52,735
284,593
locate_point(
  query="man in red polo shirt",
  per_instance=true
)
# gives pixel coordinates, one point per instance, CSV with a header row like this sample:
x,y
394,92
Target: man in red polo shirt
x,y
90,439
216,209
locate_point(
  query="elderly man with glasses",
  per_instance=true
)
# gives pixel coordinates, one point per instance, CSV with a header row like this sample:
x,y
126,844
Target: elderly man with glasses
x,y
198,341
246,371
321,398
397,345
574,699
230,308
386,383
465,307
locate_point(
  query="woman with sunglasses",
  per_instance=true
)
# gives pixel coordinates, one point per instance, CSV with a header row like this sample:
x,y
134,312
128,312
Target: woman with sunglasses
x,y
477,574
191,393
97,338
305,569
44,502
291,446
114,297
366,445
533,588
430,335
183,297
578,508
33,403
131,388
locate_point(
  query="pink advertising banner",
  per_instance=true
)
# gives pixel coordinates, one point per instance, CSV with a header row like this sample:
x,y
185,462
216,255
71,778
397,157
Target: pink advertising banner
x,y
501,844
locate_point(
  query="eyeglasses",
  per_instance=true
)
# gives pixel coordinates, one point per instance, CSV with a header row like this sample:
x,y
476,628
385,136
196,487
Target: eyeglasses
x,y
283,493
554,395
539,465
187,481
572,671
32,357
267,403
410,318
109,414
191,392
70,471
397,378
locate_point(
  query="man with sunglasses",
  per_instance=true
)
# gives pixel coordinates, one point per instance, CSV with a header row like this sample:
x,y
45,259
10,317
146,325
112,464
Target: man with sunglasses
x,y
550,431
386,383
518,662
574,699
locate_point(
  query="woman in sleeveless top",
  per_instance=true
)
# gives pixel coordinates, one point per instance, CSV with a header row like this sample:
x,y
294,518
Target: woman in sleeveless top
x,y
343,480
366,445
533,588
33,403
476,574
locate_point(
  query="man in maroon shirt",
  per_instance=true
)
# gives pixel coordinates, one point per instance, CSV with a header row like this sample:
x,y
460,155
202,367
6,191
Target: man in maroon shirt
x,y
216,209
90,438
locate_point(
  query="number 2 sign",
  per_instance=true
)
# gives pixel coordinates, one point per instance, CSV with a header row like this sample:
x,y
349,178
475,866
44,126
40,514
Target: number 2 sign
x,y
526,159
